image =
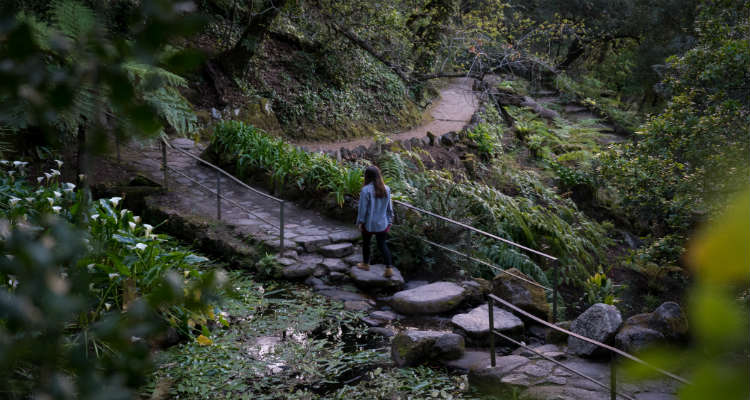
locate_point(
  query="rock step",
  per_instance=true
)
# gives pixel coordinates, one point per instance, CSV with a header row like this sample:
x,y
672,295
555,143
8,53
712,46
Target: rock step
x,y
374,278
336,250
476,323
435,298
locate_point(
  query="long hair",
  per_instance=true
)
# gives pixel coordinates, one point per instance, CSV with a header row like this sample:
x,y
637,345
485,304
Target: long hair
x,y
373,175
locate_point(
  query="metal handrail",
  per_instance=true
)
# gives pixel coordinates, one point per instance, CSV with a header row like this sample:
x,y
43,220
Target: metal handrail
x,y
471,228
491,298
495,267
555,261
165,168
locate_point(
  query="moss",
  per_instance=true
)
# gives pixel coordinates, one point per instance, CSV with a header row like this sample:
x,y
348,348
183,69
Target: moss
x,y
259,113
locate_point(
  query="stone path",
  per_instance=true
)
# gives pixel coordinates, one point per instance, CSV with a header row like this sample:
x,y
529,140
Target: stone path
x,y
452,112
323,253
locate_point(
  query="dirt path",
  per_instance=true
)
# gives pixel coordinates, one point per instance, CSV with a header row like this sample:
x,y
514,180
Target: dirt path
x,y
452,112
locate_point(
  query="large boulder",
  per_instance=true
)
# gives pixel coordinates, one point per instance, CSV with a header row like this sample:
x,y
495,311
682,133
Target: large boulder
x,y
476,322
411,347
434,298
667,322
520,293
600,322
635,334
374,279
669,319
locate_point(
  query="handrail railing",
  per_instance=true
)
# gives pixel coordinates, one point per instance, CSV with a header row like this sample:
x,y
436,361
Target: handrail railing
x,y
491,299
219,172
554,260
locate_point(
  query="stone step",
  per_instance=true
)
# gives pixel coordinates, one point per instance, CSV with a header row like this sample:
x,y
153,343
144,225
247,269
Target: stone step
x,y
374,279
336,250
476,322
435,298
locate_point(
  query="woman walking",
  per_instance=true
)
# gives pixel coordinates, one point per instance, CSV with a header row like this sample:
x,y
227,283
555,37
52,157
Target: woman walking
x,y
374,217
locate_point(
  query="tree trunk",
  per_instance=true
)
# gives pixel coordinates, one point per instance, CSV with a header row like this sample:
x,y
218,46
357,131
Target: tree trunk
x,y
238,57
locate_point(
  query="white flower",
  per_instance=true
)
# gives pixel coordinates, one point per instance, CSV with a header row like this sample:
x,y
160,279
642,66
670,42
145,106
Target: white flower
x,y
57,194
56,209
48,176
69,186
39,191
51,200
107,305
113,275
55,172
261,290
90,267
132,225
123,212
137,219
94,216
29,199
4,162
59,163
13,201
141,246
11,173
115,201
13,282
39,179
19,164
81,177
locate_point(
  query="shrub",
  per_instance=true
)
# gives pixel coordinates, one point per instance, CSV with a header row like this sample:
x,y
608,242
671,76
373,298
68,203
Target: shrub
x,y
285,164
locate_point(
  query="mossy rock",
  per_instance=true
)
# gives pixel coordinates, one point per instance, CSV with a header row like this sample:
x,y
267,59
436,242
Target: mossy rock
x,y
260,114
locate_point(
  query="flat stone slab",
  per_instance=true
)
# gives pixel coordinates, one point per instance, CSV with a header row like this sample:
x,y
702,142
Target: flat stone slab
x,y
299,271
353,259
472,360
335,265
286,261
337,250
476,322
345,236
435,298
311,243
374,279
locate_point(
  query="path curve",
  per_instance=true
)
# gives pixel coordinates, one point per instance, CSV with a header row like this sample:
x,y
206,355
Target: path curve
x,y
453,111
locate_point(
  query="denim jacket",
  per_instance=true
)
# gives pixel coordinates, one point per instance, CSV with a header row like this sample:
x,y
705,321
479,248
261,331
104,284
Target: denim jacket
x,y
375,213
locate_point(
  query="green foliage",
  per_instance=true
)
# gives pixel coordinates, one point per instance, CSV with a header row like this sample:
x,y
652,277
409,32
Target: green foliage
x,y
285,342
600,289
486,138
85,288
716,361
537,218
268,267
84,76
252,149
598,98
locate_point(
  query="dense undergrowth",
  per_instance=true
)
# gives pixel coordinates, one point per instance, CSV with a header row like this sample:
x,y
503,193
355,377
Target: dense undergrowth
x,y
284,342
90,281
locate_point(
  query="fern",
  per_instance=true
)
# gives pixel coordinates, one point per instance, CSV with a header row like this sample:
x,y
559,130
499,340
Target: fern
x,y
171,106
140,73
72,19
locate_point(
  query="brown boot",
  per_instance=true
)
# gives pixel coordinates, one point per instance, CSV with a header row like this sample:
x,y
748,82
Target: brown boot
x,y
388,272
363,266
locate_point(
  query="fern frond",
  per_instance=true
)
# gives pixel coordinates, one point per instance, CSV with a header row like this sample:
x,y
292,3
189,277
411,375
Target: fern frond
x,y
72,18
174,109
139,73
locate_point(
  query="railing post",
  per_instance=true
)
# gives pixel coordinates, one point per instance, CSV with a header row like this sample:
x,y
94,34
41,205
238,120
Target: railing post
x,y
555,267
164,163
218,195
281,227
490,310
613,378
